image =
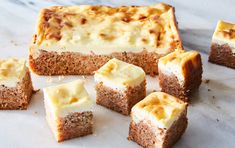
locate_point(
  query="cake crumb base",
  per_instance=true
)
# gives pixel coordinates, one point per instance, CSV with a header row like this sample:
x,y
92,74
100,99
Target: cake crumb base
x,y
222,55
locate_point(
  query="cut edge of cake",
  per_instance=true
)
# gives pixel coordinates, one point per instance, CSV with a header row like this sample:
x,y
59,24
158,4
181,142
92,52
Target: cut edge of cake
x,y
223,45
16,87
149,129
69,66
69,110
180,73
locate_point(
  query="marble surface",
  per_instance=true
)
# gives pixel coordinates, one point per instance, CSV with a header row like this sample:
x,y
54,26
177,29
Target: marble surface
x,y
212,109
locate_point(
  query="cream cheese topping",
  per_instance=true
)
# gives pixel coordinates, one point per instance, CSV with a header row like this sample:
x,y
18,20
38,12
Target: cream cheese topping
x,y
12,71
119,75
103,30
159,108
67,98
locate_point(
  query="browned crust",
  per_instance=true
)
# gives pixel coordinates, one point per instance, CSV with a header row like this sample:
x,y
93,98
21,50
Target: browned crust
x,y
178,39
73,63
121,102
193,79
147,135
16,97
222,55
75,125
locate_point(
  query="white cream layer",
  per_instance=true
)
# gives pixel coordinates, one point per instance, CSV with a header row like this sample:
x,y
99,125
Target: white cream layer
x,y
98,49
161,109
75,99
12,71
119,75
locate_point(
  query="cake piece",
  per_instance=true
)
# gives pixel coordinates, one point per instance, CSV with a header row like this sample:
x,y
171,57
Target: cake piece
x,y
223,45
158,121
73,40
68,110
119,85
180,73
15,84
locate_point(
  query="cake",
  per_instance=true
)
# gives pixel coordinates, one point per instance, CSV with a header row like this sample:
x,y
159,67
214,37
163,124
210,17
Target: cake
x,y
15,84
78,40
180,73
158,121
119,85
68,110
223,45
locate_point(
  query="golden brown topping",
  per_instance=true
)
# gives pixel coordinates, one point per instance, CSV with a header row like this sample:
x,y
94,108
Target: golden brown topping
x,y
225,30
159,108
34,38
126,26
229,33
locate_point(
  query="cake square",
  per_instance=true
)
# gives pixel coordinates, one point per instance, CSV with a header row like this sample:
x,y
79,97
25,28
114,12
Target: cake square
x,y
119,85
223,45
180,73
159,120
68,110
15,84
80,39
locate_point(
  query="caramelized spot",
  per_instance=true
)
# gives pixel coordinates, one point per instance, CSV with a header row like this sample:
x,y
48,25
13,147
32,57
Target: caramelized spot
x,y
172,58
106,37
126,19
73,100
3,72
83,21
69,14
94,8
68,24
151,31
144,40
34,38
55,35
109,68
142,17
229,33
156,18
160,113
47,14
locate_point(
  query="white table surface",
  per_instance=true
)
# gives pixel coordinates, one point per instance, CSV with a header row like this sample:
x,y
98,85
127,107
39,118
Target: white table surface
x,y
211,112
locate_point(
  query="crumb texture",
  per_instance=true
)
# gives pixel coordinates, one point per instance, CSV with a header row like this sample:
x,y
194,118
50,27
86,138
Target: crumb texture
x,y
147,135
75,125
72,63
17,97
222,55
121,102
